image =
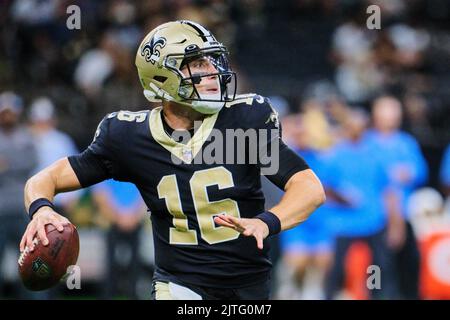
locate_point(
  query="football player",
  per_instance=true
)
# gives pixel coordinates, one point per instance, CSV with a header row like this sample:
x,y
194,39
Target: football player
x,y
209,224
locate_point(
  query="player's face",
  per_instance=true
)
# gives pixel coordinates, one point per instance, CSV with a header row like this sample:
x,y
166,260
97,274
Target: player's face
x,y
8,118
355,125
387,114
202,66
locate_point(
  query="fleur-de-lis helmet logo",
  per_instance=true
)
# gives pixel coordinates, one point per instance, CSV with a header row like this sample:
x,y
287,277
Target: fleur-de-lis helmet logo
x,y
150,50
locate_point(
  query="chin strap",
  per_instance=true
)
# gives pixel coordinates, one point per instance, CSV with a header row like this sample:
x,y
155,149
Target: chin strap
x,y
151,96
162,95
157,94
206,107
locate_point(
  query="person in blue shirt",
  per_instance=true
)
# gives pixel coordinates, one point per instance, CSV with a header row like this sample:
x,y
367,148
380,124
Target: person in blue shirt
x,y
445,172
407,170
51,144
309,245
357,173
122,205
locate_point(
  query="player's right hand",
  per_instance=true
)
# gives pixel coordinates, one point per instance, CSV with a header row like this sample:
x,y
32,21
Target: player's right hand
x,y
41,218
248,227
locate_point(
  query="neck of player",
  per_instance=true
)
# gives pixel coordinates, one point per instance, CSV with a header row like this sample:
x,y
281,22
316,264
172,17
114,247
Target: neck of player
x,y
180,117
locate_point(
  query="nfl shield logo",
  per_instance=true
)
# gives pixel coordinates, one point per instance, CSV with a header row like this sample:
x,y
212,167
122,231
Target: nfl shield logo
x,y
187,155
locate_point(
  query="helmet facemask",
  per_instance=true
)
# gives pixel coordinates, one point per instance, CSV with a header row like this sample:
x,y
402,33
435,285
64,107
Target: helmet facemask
x,y
206,103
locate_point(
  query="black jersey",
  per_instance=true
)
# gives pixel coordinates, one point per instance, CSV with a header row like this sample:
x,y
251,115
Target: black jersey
x,y
184,195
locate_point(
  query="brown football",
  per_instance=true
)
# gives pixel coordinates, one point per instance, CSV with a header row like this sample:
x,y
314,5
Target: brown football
x,y
46,265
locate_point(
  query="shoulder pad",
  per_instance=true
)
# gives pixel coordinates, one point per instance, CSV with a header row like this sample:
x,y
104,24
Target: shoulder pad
x,y
254,110
118,124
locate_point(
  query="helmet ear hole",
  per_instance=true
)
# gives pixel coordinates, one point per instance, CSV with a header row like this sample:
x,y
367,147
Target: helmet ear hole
x,y
160,78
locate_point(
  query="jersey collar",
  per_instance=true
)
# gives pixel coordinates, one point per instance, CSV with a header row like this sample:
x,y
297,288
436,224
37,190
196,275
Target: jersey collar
x,y
184,152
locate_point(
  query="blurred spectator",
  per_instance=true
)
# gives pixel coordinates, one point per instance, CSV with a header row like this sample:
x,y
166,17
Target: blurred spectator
x,y
307,248
426,206
432,226
358,175
289,124
95,66
51,144
122,205
417,122
122,14
357,75
317,125
410,44
17,160
34,12
407,170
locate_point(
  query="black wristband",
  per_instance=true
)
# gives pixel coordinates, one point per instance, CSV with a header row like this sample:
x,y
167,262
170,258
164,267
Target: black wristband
x,y
272,221
37,204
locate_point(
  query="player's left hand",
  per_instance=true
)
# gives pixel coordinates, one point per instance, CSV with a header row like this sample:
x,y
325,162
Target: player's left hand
x,y
248,227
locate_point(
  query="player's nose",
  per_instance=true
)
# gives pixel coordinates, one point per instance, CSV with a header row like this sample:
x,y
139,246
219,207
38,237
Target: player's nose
x,y
210,68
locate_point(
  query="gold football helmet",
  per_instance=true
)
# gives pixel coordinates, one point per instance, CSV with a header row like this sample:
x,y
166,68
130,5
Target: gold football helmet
x,y
169,47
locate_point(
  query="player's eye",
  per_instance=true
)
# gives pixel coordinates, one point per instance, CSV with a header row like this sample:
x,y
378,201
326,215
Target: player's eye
x,y
200,63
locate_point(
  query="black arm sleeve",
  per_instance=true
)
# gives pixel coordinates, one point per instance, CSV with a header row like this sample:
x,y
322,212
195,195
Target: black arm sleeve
x,y
95,164
290,164
90,168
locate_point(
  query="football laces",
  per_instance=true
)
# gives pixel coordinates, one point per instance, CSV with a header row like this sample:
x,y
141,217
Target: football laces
x,y
25,252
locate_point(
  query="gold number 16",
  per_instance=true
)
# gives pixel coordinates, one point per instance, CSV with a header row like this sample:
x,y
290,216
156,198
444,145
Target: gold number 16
x,y
205,210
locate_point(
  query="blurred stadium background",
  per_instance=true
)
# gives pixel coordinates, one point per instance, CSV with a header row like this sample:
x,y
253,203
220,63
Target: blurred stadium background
x,y
324,71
